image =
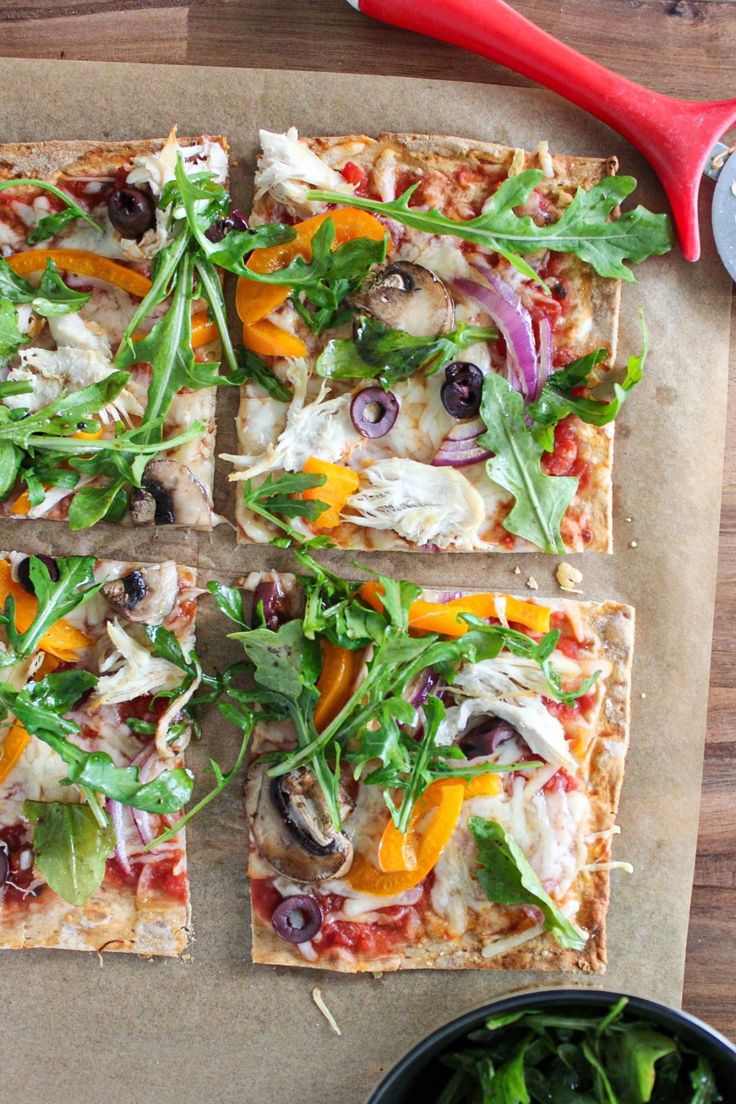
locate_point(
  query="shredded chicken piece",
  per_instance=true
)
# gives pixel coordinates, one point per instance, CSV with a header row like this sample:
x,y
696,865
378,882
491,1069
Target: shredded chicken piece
x,y
424,504
139,672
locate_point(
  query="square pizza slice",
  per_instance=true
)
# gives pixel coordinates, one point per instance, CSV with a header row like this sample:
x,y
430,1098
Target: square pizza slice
x,y
96,674
435,776
429,358
96,293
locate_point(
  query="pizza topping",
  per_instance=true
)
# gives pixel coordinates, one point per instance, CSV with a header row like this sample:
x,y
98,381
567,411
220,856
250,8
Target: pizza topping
x,y
297,919
407,297
136,671
338,485
424,505
585,227
24,571
292,827
373,411
287,168
146,594
170,495
482,739
459,448
320,428
132,211
462,390
507,878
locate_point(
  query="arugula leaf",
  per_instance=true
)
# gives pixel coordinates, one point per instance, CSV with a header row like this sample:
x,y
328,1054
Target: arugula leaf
x,y
506,878
282,660
377,352
329,277
51,297
272,501
74,586
40,707
244,721
62,416
10,461
251,367
556,400
168,349
53,224
540,500
585,227
70,847
229,600
633,1057
10,336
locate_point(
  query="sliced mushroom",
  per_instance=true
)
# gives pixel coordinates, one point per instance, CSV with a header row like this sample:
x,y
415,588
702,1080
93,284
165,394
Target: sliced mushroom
x,y
170,495
145,594
406,296
291,826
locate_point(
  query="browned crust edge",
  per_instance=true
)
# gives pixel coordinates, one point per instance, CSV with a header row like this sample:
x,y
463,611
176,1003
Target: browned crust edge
x,y
612,623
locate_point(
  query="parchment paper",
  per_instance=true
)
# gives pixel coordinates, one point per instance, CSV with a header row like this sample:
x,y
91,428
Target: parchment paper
x,y
213,1027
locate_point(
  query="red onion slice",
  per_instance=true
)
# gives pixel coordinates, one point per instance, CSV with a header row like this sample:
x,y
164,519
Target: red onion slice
x,y
460,448
115,810
514,322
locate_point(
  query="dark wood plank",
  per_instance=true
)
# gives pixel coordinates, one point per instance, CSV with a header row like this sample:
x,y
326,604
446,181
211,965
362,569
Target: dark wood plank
x,y
150,34
12,11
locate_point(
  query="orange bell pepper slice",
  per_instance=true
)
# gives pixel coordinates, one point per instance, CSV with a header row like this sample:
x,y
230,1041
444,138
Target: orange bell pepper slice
x,y
422,845
22,504
443,617
254,301
483,785
266,339
12,747
203,332
61,639
82,263
340,484
340,669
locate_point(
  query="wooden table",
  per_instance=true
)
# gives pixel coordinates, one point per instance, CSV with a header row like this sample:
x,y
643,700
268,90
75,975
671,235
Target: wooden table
x,y
681,47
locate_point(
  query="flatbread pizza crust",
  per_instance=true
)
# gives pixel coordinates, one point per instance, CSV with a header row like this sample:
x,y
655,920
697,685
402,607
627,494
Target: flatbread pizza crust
x,y
597,304
54,161
140,917
611,623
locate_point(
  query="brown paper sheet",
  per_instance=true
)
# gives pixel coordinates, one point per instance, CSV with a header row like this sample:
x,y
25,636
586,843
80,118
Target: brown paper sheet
x,y
213,1027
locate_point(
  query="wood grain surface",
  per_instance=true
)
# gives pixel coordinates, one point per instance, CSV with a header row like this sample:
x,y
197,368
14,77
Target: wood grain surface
x,y
681,47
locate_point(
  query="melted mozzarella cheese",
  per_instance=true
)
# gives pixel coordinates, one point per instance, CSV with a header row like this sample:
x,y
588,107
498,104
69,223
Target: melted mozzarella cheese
x,y
286,169
425,505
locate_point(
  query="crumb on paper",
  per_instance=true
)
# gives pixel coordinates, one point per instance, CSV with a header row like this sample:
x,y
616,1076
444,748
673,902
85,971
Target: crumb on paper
x,y
517,570
377,974
101,960
568,577
532,583
643,694
317,998
185,957
633,544
628,519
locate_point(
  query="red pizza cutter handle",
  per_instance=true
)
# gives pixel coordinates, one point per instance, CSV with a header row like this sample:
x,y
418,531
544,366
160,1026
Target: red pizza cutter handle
x,y
675,136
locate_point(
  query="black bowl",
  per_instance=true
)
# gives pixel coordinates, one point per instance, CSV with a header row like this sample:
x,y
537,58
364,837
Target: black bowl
x,y
419,1077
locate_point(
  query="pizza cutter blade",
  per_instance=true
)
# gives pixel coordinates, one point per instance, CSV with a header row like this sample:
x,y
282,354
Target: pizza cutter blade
x,y
678,137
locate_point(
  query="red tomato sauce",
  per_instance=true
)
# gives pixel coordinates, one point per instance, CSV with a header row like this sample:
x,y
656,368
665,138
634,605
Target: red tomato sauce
x,y
17,839
162,881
